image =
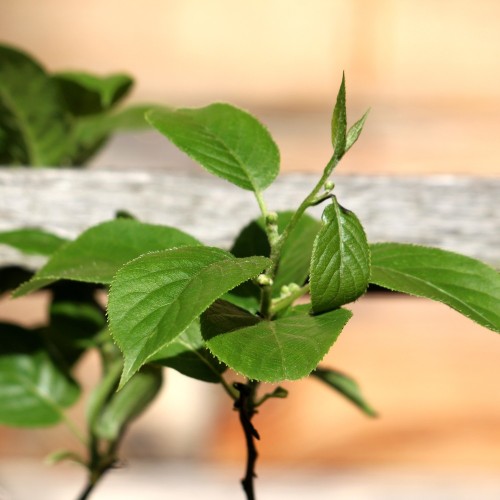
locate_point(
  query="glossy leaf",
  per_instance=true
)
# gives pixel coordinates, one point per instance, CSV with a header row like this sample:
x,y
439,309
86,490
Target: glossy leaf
x,y
340,264
155,297
465,284
33,122
97,254
346,386
32,241
126,405
288,348
225,140
87,94
188,355
33,391
339,122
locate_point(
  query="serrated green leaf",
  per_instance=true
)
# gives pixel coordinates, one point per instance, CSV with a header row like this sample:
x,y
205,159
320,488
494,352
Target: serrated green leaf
x,y
87,94
339,122
126,405
340,263
188,355
355,131
33,120
155,297
346,386
288,348
33,391
32,241
225,140
467,285
97,254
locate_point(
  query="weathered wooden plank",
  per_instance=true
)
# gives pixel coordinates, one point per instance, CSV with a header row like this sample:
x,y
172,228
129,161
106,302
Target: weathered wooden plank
x,y
456,213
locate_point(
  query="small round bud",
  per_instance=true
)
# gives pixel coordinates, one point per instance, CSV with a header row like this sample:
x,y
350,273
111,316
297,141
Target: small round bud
x,y
285,291
264,280
293,287
329,185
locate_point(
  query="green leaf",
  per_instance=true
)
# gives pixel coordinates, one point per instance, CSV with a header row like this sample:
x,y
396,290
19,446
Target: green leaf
x,y
465,284
32,241
295,255
155,297
127,404
346,386
355,131
87,94
340,264
297,251
288,348
72,326
64,455
97,254
33,391
225,140
33,122
188,355
90,133
339,122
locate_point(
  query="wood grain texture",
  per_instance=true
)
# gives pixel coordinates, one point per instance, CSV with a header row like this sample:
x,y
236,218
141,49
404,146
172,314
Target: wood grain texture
x,y
455,213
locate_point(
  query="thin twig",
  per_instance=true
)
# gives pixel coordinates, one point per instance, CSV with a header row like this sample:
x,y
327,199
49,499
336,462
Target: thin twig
x,y
245,407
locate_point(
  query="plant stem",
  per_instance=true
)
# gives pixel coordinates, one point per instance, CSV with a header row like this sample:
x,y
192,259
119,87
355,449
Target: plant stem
x,y
309,200
261,202
99,464
245,405
278,305
73,428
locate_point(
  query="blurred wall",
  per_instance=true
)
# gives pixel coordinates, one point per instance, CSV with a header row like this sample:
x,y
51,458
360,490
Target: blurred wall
x,y
271,51
429,70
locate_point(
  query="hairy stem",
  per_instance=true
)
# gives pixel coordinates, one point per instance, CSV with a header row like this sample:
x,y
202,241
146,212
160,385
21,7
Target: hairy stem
x,y
245,405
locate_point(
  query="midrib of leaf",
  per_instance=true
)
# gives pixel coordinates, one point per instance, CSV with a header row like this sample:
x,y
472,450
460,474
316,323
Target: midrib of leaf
x,y
40,395
280,347
218,140
435,287
175,312
344,251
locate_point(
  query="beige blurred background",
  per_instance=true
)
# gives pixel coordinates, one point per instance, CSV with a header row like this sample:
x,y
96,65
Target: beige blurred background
x,y
430,72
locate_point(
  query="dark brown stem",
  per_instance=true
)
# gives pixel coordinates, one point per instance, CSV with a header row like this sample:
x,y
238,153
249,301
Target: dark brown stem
x,y
246,409
99,465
